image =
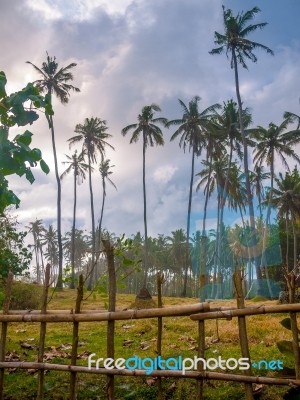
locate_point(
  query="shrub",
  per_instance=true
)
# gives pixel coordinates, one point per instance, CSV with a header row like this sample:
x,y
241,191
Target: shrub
x,y
24,296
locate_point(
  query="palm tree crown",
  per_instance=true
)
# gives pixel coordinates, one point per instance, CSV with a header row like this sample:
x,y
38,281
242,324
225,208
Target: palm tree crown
x,y
93,133
55,80
234,38
152,134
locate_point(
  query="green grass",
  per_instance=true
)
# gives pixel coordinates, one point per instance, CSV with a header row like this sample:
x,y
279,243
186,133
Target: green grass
x,y
178,335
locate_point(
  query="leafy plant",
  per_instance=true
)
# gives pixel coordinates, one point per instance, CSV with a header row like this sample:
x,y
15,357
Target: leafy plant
x,y
16,156
286,346
14,255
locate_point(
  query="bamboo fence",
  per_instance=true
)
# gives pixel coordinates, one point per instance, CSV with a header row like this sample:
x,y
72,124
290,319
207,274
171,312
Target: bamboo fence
x,y
198,312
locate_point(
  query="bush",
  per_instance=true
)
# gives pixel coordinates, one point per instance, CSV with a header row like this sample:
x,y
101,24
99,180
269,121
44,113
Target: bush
x,y
24,296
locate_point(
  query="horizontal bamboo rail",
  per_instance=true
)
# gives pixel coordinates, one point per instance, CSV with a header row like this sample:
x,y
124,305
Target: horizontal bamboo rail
x,y
162,373
27,312
71,311
108,316
229,314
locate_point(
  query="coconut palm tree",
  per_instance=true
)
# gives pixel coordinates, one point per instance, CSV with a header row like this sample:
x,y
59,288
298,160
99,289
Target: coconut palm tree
x,y
152,135
76,164
81,246
286,198
271,142
257,177
192,129
213,176
229,125
105,172
37,229
93,133
234,43
49,239
54,80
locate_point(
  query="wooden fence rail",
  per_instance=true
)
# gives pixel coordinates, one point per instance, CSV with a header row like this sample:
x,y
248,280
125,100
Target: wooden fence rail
x,y
199,311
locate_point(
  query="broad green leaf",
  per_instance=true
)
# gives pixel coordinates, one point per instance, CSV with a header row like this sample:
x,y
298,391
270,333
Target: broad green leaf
x,y
25,117
25,138
29,175
36,154
44,167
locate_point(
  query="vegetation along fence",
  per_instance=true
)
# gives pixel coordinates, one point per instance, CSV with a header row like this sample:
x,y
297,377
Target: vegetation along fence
x,y
198,312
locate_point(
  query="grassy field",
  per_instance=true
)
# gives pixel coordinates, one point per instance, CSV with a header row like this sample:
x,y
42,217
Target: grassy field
x,y
138,337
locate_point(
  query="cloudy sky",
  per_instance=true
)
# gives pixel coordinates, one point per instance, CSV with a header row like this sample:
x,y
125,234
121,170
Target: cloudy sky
x,y
130,54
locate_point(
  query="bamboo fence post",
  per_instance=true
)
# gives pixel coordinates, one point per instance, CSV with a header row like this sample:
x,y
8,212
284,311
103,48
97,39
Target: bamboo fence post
x,y
291,282
43,328
201,323
4,328
112,289
75,338
238,284
160,280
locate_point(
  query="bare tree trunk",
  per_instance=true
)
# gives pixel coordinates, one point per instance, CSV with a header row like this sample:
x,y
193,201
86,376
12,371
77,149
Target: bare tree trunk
x,y
59,283
92,270
146,266
43,328
160,281
237,279
4,328
246,169
73,236
75,340
112,290
188,226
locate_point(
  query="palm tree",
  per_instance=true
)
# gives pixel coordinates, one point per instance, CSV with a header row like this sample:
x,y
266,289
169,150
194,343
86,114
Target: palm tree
x,y
76,163
286,198
105,172
49,239
55,81
37,229
257,177
151,135
81,246
271,142
192,127
213,176
93,133
229,125
234,41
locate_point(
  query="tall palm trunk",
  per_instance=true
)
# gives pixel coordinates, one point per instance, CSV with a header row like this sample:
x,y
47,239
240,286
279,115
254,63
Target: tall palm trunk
x,y
37,261
265,237
102,209
204,237
223,197
287,241
59,240
246,169
73,235
146,266
188,225
92,270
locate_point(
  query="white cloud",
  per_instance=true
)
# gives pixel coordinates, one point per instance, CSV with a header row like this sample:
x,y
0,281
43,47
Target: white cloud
x,y
164,174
